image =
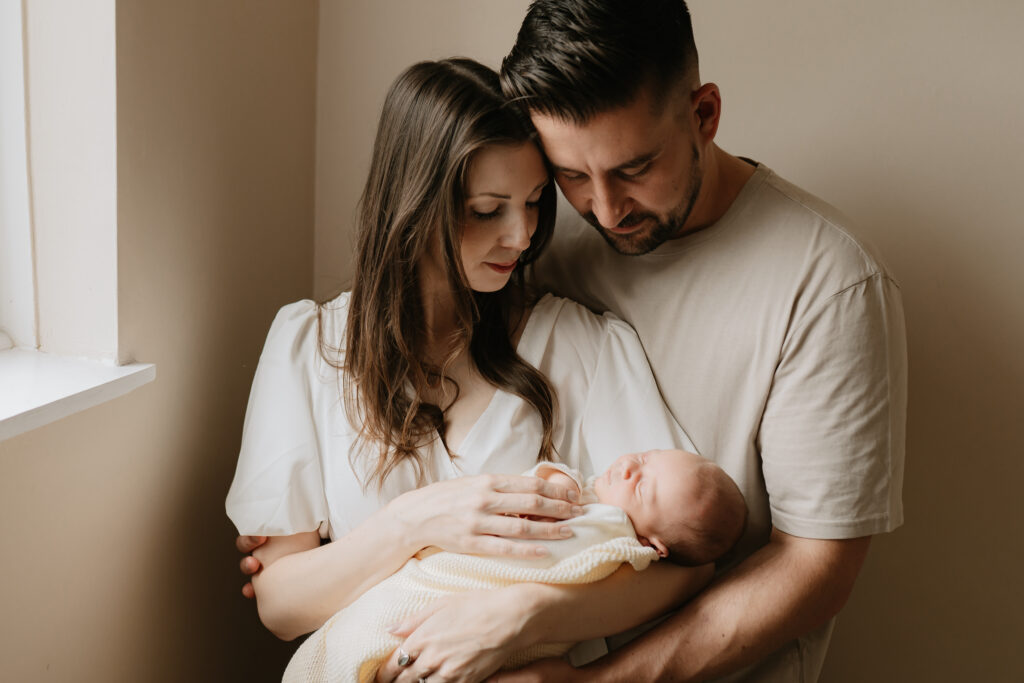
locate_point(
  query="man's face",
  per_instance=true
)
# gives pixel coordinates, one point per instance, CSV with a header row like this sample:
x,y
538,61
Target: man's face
x,y
634,173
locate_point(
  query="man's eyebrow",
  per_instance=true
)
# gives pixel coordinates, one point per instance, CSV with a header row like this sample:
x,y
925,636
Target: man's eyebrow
x,y
638,160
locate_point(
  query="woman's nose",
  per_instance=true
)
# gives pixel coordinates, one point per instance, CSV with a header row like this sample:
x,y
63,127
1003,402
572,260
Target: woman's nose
x,y
519,232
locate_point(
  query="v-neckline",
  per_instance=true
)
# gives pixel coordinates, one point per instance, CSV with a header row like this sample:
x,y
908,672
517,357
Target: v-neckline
x,y
498,396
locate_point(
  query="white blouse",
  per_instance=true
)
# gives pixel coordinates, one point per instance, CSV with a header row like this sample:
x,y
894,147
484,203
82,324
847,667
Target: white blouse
x,y
296,472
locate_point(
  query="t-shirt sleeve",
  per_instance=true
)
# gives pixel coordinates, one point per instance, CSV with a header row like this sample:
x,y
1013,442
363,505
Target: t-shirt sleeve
x,y
278,487
831,437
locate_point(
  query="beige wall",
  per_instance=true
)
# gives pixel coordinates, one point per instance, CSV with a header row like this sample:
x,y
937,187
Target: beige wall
x,y
116,555
118,562
364,45
908,117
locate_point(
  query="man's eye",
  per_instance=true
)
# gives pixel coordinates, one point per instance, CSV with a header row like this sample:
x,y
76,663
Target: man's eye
x,y
636,172
566,175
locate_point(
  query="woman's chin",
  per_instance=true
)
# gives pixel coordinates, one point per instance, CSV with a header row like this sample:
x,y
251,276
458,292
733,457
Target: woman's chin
x,y
491,285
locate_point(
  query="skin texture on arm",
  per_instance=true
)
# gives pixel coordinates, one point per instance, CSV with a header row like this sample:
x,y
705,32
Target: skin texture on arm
x,y
303,583
785,589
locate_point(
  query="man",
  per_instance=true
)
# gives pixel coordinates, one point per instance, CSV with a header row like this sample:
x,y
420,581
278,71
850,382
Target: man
x,y
776,338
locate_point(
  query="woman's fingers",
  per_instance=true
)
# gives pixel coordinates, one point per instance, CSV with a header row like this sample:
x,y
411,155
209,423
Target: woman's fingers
x,y
249,565
517,527
532,504
535,485
246,544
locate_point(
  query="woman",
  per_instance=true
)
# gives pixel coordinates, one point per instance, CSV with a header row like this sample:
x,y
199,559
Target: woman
x,y
368,411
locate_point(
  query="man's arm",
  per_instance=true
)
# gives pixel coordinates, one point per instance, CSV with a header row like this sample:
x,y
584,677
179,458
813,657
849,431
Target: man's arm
x,y
787,588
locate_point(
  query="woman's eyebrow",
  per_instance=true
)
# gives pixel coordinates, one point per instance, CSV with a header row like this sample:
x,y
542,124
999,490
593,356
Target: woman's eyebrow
x,y
498,195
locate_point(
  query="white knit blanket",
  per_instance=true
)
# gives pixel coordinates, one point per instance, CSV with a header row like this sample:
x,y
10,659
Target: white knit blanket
x,y
353,643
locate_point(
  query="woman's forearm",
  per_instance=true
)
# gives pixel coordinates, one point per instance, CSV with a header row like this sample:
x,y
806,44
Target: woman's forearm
x,y
298,591
627,598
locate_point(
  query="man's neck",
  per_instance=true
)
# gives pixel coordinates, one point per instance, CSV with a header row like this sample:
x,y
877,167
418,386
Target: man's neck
x,y
724,178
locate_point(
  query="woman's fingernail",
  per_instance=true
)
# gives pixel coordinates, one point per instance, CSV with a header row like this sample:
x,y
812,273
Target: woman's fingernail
x,y
540,551
565,532
393,628
574,496
577,511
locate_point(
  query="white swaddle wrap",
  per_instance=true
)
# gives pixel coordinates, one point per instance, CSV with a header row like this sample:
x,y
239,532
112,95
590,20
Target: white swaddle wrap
x,y
353,643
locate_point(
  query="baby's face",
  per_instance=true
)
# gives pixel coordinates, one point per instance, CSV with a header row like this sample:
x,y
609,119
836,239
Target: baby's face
x,y
653,488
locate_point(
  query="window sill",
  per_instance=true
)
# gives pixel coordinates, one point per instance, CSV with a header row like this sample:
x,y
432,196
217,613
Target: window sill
x,y
39,388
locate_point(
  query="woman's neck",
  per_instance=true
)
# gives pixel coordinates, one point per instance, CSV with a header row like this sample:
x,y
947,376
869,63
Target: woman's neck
x,y
438,316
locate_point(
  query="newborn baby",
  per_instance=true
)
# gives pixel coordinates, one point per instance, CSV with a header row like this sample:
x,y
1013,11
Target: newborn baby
x,y
667,503
683,506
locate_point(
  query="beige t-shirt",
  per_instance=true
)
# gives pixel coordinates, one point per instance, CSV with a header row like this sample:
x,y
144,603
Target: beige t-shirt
x,y
777,340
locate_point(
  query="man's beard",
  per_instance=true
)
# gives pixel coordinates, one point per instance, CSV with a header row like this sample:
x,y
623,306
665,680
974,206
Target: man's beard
x,y
644,241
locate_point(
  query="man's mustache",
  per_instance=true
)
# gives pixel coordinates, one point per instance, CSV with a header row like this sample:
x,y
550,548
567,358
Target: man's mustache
x,y
628,221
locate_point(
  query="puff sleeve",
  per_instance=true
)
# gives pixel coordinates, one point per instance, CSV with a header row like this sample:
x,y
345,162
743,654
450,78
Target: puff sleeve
x,y
608,397
278,487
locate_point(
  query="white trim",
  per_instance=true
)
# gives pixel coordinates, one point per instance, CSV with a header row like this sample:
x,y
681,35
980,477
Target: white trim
x,y
71,92
58,213
43,387
17,263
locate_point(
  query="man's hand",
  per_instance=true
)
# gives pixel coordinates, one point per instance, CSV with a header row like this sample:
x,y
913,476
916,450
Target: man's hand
x,y
551,670
249,564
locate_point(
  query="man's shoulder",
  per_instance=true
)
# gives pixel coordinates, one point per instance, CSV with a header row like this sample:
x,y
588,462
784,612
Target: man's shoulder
x,y
782,211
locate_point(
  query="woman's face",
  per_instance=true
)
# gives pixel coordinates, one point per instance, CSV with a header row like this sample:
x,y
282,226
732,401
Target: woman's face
x,y
503,186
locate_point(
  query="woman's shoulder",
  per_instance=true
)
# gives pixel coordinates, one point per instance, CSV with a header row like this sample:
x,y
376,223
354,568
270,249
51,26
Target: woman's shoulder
x,y
301,324
561,330
553,315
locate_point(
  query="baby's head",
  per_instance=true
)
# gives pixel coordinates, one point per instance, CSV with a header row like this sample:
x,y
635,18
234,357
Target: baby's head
x,y
682,505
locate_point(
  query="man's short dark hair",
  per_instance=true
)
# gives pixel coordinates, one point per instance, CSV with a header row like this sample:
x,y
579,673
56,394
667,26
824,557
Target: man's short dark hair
x,y
577,58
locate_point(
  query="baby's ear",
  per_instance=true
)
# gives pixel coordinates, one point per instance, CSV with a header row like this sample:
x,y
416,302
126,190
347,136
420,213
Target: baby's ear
x,y
655,543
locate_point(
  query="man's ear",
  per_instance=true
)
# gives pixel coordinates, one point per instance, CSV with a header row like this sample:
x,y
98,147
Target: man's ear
x,y
655,543
707,107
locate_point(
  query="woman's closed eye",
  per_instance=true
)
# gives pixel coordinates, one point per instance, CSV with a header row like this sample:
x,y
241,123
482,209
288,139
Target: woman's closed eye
x,y
485,212
485,216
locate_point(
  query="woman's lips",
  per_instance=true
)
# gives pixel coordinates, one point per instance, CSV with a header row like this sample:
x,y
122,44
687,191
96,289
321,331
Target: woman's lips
x,y
503,268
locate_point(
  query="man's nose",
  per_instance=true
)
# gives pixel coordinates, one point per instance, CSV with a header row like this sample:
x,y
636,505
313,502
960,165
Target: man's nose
x,y
609,205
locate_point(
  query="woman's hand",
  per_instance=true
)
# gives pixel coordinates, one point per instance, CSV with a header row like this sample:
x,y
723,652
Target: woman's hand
x,y
464,638
481,515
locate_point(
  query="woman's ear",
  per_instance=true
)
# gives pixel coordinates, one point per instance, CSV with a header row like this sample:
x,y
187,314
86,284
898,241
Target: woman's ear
x,y
655,543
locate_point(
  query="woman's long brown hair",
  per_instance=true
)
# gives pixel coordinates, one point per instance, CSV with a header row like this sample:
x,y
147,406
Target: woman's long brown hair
x,y
435,116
